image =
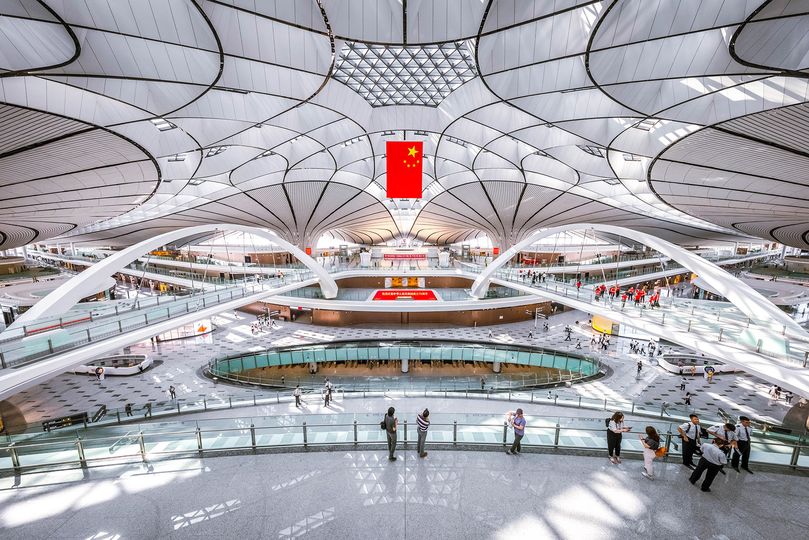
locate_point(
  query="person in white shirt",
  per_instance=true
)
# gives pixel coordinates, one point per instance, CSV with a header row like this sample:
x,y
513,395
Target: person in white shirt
x,y
743,433
297,394
615,431
712,460
726,433
690,433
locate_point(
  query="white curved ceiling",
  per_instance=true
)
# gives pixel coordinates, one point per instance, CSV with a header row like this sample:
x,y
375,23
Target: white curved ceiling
x,y
681,118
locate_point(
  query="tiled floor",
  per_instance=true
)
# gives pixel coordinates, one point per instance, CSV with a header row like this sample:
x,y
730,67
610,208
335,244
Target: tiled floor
x,y
179,364
360,494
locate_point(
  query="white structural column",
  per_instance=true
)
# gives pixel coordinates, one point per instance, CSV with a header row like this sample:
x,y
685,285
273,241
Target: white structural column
x,y
749,302
85,284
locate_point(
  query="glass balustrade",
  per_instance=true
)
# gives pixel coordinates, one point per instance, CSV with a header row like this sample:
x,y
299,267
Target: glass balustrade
x,y
136,443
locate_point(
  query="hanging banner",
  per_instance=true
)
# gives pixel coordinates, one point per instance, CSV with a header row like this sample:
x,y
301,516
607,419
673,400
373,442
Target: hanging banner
x,y
403,169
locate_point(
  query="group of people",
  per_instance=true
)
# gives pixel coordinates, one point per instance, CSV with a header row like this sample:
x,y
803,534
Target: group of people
x,y
776,391
533,276
390,423
262,322
716,446
636,347
729,441
602,343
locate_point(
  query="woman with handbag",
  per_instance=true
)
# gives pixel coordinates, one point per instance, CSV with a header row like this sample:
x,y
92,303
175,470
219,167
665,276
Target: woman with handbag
x,y
651,444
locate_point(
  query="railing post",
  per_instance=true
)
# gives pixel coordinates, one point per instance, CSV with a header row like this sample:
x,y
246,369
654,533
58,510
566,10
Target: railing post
x,y
230,402
15,459
50,346
405,433
556,437
796,453
720,333
142,445
80,450
199,440
605,404
633,408
689,326
454,432
3,361
204,403
305,441
668,442
118,415
505,432
253,435
355,432
805,358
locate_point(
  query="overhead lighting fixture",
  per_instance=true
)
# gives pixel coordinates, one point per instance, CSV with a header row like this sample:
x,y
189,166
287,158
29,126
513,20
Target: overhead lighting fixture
x,y
388,133
647,125
229,89
267,153
579,89
457,141
215,151
162,124
177,157
596,151
631,157
612,181
419,133
196,181
352,141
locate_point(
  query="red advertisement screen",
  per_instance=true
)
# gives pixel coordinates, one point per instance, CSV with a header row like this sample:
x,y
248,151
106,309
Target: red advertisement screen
x,y
404,294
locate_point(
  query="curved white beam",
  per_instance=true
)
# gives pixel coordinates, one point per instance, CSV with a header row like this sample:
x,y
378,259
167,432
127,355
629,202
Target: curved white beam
x,y
69,293
750,302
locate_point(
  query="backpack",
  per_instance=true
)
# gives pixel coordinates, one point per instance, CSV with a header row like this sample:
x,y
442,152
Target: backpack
x,y
382,423
607,421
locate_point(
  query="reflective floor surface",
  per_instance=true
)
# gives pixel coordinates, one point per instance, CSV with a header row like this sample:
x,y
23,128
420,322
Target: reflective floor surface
x,y
348,495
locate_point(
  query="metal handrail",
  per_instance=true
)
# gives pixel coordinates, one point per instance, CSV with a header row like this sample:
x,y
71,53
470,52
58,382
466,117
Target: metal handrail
x,y
249,437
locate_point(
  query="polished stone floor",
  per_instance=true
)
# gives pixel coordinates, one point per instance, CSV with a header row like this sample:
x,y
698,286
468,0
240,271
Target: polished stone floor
x,y
179,363
359,495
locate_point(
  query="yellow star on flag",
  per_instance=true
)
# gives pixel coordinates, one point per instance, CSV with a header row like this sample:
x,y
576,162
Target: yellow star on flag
x,y
411,151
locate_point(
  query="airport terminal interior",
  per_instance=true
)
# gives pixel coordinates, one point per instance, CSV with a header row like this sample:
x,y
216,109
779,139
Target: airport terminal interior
x,y
404,269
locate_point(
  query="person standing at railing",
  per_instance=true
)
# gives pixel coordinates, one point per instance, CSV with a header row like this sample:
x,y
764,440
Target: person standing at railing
x,y
517,421
297,394
615,432
172,392
743,433
391,423
423,423
690,433
651,442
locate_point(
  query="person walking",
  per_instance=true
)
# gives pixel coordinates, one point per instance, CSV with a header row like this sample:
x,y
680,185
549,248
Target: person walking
x,y
422,423
743,432
615,432
640,366
391,423
682,383
517,420
172,392
651,442
128,409
326,395
690,433
482,384
712,460
687,398
297,394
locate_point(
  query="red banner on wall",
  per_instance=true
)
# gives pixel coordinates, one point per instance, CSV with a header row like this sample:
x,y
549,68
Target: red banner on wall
x,y
496,251
404,294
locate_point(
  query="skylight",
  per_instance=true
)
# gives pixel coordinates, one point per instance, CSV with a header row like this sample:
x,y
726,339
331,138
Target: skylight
x,y
388,75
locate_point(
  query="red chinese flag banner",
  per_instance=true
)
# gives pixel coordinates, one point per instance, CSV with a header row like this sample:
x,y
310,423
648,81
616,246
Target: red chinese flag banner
x,y
404,169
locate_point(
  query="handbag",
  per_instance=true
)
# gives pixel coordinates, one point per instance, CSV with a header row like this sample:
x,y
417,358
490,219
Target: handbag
x,y
661,452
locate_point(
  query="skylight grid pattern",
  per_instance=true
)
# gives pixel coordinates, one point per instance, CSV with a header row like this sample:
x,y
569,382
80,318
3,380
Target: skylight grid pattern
x,y
396,75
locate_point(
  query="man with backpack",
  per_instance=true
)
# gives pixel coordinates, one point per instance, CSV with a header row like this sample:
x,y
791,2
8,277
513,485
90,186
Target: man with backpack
x,y
389,424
